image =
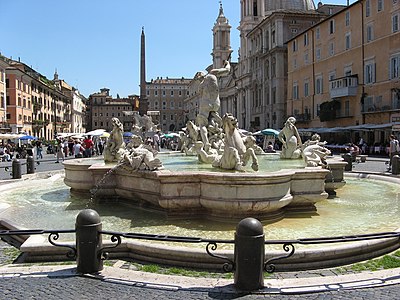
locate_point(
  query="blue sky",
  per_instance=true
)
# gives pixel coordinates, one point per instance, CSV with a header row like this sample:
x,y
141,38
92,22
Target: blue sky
x,y
96,43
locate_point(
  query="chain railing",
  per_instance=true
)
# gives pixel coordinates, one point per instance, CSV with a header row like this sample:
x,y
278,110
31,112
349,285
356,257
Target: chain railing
x,y
249,246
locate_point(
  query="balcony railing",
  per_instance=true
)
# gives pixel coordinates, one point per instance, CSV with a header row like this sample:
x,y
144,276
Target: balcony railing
x,y
302,117
343,87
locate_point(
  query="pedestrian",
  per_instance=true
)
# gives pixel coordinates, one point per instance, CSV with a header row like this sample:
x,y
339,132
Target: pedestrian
x,y
394,149
100,146
88,145
59,150
65,147
78,149
39,150
156,141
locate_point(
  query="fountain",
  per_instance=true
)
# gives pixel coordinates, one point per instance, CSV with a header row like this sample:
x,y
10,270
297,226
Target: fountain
x,y
216,142
52,206
221,187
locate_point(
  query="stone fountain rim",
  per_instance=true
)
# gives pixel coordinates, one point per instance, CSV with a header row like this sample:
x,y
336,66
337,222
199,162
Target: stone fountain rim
x,y
40,248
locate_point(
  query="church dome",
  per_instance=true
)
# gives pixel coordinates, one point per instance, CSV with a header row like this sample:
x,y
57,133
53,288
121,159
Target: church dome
x,y
273,5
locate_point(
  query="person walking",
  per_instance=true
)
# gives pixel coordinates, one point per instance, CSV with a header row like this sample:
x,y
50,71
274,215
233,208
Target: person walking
x,y
39,150
394,149
88,145
59,151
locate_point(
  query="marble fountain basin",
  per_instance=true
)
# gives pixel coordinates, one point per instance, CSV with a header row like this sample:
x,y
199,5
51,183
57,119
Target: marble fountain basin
x,y
263,195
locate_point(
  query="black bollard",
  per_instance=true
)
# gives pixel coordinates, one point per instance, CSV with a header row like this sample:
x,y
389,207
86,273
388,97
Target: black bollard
x,y
88,242
30,165
16,169
396,165
349,159
249,255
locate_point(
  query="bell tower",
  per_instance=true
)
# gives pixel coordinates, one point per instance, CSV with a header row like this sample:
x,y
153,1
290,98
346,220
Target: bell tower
x,y
221,40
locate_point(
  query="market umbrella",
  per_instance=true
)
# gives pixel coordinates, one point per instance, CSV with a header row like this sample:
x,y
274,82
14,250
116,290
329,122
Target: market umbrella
x,y
128,134
27,137
10,136
105,135
171,135
270,131
96,132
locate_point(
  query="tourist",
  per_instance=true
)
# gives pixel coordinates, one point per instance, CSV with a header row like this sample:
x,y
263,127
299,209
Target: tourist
x,y
156,141
100,146
270,148
88,145
394,149
65,147
59,150
71,146
39,150
4,153
78,149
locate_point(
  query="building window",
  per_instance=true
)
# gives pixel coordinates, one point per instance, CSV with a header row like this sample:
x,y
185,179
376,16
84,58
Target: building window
x,y
317,33
331,48
370,33
367,8
295,91
370,73
294,45
347,18
318,53
395,67
306,89
306,39
395,23
347,108
306,59
172,93
155,93
347,41
331,26
318,85
380,5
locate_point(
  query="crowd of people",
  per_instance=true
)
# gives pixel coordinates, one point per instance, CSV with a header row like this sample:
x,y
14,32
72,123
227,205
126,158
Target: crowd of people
x,y
86,147
60,147
93,145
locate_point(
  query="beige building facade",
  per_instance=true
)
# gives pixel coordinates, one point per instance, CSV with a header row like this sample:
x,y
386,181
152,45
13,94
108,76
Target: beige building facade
x,y
35,105
3,103
265,27
102,107
166,102
344,71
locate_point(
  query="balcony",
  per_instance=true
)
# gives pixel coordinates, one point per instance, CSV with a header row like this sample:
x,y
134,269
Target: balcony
x,y
303,117
40,123
344,87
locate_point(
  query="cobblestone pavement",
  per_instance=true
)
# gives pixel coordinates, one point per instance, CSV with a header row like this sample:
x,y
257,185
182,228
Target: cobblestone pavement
x,y
37,284
58,286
